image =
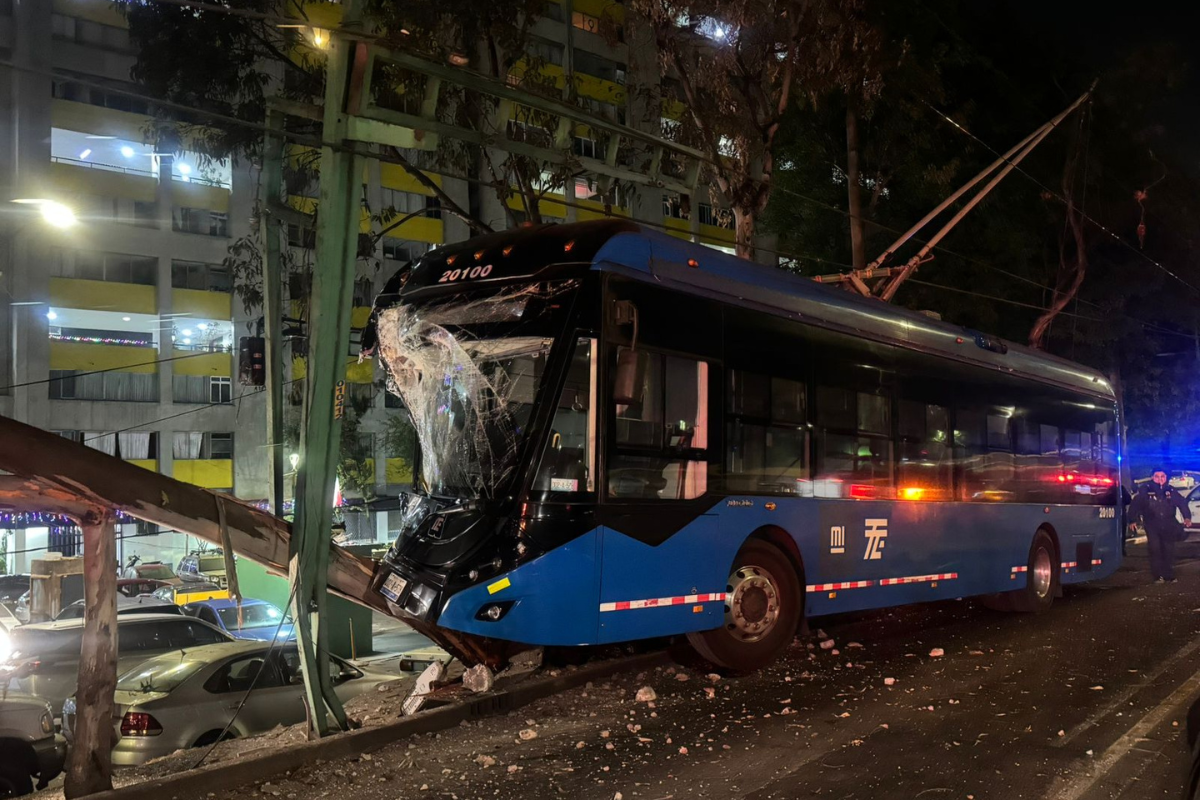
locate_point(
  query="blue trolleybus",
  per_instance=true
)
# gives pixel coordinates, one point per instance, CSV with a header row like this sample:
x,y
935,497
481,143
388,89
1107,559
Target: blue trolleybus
x,y
623,435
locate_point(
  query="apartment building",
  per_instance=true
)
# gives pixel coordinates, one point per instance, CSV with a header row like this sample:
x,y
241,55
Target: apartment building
x,y
121,331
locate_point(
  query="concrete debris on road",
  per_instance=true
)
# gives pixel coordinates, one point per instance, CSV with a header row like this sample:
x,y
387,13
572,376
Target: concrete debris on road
x,y
646,695
827,644
937,652
527,734
478,679
485,761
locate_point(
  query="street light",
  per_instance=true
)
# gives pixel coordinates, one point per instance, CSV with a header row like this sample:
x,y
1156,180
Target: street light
x,y
53,212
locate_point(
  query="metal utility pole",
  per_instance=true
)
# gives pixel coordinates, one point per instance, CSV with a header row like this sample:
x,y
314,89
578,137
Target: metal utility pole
x,y
895,276
329,330
272,260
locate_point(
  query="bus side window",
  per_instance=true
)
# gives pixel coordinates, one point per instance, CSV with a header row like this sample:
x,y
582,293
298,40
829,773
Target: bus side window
x,y
854,449
766,434
925,459
662,434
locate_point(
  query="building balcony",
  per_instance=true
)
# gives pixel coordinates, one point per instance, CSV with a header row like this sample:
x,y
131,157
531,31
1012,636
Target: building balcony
x,y
91,295
89,357
209,473
201,304
197,364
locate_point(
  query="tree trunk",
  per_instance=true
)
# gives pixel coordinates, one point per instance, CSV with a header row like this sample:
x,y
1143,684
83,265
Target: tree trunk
x,y
857,246
743,220
89,768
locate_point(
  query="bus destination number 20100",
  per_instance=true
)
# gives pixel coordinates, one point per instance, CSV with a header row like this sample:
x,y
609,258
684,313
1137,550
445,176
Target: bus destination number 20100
x,y
465,274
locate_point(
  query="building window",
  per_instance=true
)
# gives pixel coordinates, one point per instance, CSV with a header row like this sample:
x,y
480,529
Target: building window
x,y
599,67
549,52
433,207
112,267
718,217
220,445
588,148
394,250
553,10
205,277
126,387
301,237
364,292
86,32
145,214
585,22
220,390
202,221
65,89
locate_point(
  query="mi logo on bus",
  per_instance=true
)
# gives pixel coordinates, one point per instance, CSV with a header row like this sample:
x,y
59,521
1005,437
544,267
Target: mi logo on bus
x,y
837,540
876,534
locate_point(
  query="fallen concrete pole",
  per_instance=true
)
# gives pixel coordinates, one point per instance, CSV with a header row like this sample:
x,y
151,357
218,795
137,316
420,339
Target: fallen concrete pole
x,y
55,475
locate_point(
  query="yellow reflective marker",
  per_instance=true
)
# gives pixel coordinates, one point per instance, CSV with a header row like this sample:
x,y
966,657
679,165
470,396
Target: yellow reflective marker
x,y
499,585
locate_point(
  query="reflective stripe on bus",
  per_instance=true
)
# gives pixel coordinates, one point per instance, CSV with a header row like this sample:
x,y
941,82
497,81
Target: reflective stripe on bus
x,y
657,602
837,587
945,576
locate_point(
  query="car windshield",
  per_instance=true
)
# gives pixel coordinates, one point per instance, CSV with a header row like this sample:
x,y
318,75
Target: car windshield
x,y
253,616
161,674
468,372
158,572
212,564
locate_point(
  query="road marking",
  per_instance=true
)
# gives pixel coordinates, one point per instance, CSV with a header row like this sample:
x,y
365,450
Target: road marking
x,y
1111,757
1123,697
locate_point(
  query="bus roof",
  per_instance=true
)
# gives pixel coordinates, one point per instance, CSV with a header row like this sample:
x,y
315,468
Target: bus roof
x,y
623,247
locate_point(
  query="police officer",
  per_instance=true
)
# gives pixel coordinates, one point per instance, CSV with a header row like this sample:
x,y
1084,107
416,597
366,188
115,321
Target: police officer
x,y
1155,506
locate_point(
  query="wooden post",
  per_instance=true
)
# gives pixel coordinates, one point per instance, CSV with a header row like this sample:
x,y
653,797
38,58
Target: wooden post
x,y
89,768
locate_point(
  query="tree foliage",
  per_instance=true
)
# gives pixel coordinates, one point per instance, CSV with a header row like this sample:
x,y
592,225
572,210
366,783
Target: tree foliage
x,y
739,66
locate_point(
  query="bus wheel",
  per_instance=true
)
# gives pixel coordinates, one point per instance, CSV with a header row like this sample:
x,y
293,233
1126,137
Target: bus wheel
x,y
1042,582
762,610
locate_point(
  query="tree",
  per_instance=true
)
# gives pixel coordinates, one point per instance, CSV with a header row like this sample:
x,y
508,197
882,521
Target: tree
x,y
739,67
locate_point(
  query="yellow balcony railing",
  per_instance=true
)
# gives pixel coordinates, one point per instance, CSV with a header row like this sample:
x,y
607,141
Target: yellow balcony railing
x,y
102,296
200,304
86,357
204,365
70,180
421,229
210,473
145,463
398,470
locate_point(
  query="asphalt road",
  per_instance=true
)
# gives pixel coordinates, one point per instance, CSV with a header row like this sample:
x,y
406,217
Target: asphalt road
x,y
1083,702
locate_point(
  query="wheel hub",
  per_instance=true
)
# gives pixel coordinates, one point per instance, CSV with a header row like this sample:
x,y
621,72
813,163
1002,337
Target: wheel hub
x,y
1043,572
751,603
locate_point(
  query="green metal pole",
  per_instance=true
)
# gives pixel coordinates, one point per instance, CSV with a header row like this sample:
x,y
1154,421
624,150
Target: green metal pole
x,y
272,182
329,331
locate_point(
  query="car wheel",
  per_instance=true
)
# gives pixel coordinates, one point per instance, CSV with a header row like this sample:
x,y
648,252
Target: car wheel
x,y
212,737
15,779
762,610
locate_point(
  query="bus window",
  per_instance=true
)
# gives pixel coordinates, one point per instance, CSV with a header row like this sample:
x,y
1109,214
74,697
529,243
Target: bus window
x,y
854,451
662,434
924,469
767,441
568,464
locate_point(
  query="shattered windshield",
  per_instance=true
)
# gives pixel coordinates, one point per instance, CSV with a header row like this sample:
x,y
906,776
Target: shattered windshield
x,y
468,371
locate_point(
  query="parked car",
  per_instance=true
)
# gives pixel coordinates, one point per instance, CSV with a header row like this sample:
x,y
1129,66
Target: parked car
x,y
151,570
180,700
12,587
208,566
144,604
48,652
190,592
132,587
258,619
29,748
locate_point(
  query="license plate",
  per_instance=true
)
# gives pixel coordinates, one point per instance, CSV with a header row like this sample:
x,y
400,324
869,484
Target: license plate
x,y
394,586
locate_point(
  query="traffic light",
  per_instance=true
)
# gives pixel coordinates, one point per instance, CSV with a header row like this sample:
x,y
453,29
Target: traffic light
x,y
252,361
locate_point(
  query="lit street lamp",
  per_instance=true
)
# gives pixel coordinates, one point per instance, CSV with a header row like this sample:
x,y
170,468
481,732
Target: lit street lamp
x,y
53,212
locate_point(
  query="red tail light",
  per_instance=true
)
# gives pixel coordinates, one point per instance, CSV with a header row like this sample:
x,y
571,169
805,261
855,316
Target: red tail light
x,y
137,723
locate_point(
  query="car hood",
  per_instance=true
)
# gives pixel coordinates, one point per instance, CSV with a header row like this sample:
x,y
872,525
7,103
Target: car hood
x,y
286,634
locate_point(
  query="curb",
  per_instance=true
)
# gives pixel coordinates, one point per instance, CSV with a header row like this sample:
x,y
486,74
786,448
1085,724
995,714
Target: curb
x,y
222,776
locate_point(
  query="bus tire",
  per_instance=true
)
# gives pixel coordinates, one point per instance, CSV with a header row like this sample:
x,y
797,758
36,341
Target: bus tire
x,y
1041,584
762,610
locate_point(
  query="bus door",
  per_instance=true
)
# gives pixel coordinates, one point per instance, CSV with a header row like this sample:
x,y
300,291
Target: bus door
x,y
661,552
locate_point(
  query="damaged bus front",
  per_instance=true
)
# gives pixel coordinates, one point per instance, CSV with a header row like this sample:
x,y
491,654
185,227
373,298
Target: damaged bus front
x,y
492,349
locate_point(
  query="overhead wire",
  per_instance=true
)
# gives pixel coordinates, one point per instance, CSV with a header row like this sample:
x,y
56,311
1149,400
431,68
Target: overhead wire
x,y
316,141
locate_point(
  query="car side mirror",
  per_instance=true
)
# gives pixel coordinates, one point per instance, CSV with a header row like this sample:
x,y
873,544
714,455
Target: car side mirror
x,y
625,381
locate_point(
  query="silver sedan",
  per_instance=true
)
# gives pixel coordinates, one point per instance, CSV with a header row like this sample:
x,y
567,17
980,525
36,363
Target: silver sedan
x,y
186,698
